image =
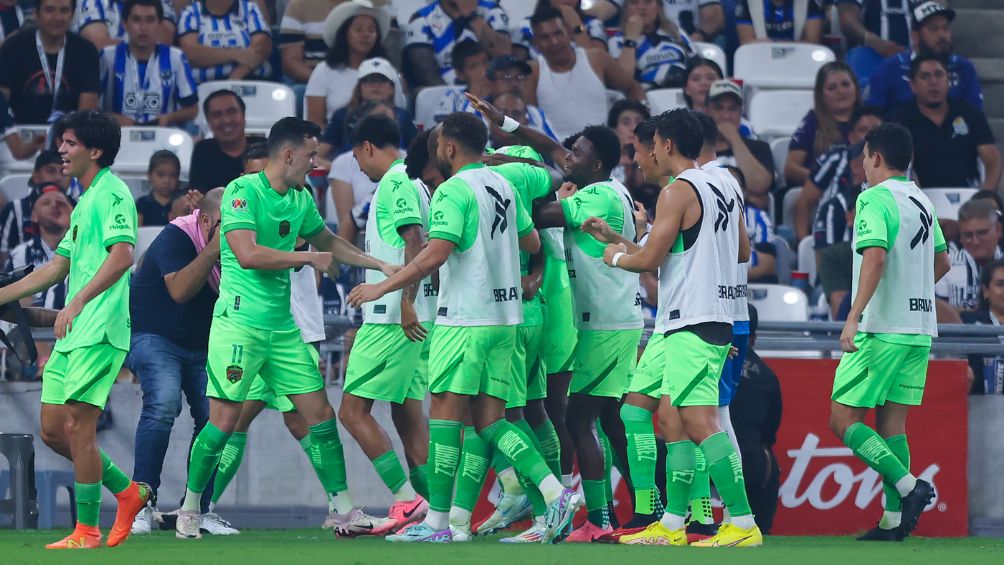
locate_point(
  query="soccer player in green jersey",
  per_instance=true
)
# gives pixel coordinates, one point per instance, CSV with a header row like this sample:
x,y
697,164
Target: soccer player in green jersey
x,y
253,332
900,253
92,330
477,225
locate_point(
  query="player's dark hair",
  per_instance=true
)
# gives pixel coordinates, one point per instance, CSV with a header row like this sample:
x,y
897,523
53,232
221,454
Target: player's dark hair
x,y
219,94
38,6
95,129
418,154
922,58
47,157
379,130
645,132
545,14
894,143
163,157
130,4
465,50
626,105
290,131
466,129
254,152
606,146
683,129
709,129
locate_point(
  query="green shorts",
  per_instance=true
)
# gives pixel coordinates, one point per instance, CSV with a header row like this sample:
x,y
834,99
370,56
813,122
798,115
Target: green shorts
x,y
260,391
239,353
691,379
528,380
472,360
880,372
420,383
383,363
604,362
84,374
647,378
558,347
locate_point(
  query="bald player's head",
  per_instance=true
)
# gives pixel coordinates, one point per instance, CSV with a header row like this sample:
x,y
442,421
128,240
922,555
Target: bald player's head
x,y
209,213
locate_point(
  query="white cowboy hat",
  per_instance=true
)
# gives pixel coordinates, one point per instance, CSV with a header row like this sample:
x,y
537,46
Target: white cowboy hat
x,y
348,10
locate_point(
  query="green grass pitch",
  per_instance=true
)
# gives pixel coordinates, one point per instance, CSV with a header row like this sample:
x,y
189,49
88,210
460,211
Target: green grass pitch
x,y
316,546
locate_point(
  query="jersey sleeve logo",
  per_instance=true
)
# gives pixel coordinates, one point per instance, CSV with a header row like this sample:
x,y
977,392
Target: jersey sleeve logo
x,y
501,205
926,220
239,204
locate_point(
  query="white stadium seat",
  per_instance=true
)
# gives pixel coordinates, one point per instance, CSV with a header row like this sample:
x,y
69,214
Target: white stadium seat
x,y
779,149
807,258
663,99
780,65
779,303
517,10
27,132
783,259
138,184
403,9
947,201
15,186
144,237
266,102
788,206
427,103
777,113
140,142
713,52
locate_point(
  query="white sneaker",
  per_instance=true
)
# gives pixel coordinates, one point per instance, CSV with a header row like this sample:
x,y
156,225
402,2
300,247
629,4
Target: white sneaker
x,y
213,524
143,523
187,526
331,521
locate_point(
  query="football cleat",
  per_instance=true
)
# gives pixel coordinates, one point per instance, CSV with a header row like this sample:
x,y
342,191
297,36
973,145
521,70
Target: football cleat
x,y
421,533
730,535
131,501
83,537
511,509
405,512
214,524
187,525
655,534
880,534
588,533
914,504
535,534
358,523
559,515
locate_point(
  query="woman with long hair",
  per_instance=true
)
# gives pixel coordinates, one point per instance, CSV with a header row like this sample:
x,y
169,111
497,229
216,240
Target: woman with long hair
x,y
836,96
649,46
698,76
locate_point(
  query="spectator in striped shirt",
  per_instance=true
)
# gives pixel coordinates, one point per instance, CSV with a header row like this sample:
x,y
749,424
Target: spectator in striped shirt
x,y
50,217
16,225
763,258
650,47
301,37
11,18
979,233
102,22
435,29
225,39
145,82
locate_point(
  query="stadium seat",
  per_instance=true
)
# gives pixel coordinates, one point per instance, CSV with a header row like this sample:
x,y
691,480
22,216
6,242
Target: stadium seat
x,y
779,303
267,102
777,113
613,96
144,237
140,142
139,185
7,162
15,186
783,259
426,104
663,99
779,148
779,65
517,10
403,9
713,52
807,258
788,206
947,201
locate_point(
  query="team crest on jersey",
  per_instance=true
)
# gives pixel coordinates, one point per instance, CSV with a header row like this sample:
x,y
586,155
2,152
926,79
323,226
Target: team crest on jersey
x,y
283,228
235,373
239,204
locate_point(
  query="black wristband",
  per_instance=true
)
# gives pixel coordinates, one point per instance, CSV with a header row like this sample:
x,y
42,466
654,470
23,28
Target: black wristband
x,y
630,44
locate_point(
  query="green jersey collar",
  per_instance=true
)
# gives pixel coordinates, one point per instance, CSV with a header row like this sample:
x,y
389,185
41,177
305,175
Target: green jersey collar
x,y
397,162
100,174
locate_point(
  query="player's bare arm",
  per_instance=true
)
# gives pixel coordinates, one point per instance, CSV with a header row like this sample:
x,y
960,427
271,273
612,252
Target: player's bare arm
x,y
536,139
119,261
414,239
344,252
427,262
601,230
745,247
942,264
530,242
253,256
673,203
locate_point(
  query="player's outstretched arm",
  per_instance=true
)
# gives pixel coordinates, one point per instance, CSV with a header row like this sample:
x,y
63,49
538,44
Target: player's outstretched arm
x,y
345,252
414,239
118,261
535,139
427,262
673,202
250,255
39,280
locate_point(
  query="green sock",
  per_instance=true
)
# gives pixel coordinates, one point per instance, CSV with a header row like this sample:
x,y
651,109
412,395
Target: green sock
x,y
642,453
873,450
205,458
230,461
608,461
529,489
473,469
88,502
444,458
901,449
111,476
700,490
419,480
680,462
524,427
388,466
596,501
328,456
518,449
727,472
550,447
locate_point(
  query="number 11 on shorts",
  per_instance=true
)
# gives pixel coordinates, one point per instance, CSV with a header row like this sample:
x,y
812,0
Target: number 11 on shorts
x,y
237,355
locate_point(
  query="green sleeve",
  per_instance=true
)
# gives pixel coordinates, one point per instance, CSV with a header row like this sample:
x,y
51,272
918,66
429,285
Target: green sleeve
x,y
524,224
237,208
313,223
120,222
401,199
65,247
523,152
939,237
529,181
449,210
593,201
872,220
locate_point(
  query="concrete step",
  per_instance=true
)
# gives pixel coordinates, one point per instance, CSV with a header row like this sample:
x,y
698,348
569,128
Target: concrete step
x,y
976,4
979,33
989,70
993,100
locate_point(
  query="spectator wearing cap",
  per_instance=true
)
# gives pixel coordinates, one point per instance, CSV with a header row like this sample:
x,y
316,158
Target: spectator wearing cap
x,y
979,233
434,29
11,18
217,160
50,219
16,225
751,156
779,20
834,180
951,137
225,39
569,82
102,22
875,29
649,46
19,149
763,256
932,35
353,32
377,84
587,29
